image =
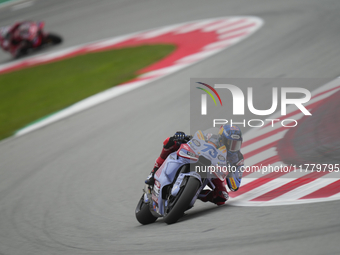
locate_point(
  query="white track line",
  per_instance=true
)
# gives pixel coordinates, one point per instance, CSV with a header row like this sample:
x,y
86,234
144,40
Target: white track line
x,y
264,142
22,5
305,189
263,189
84,104
263,155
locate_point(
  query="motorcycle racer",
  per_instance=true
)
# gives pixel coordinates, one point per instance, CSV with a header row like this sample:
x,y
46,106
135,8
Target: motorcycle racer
x,y
228,138
24,37
9,39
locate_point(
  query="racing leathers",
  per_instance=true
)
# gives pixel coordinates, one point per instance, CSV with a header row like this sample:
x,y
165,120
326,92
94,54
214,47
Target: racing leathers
x,y
8,40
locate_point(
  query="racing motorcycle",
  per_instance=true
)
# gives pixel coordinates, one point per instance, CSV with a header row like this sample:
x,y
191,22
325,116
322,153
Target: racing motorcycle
x,y
30,36
178,183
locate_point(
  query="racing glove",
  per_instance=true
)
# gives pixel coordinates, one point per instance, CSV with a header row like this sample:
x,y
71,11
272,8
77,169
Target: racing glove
x,y
179,136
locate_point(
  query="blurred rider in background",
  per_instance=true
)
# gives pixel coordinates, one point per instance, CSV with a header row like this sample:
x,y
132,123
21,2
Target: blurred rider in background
x,y
228,139
9,38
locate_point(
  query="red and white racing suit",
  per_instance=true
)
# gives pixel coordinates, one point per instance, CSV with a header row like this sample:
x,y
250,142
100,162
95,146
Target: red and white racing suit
x,y
8,40
11,40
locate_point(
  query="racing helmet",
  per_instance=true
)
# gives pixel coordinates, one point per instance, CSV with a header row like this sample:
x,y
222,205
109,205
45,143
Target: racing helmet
x,y
4,31
230,137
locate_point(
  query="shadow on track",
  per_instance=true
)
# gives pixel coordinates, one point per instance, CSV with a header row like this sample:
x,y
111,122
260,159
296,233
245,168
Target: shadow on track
x,y
202,212
191,215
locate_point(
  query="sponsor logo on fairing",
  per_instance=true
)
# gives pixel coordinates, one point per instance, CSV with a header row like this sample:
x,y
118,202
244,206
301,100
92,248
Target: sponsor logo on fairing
x,y
220,157
197,143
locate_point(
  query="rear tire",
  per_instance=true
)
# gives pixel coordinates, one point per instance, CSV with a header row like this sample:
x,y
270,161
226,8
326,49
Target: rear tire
x,y
183,201
54,39
23,49
143,214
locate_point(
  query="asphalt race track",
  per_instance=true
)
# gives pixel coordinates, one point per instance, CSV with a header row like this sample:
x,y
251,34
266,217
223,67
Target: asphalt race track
x,y
72,187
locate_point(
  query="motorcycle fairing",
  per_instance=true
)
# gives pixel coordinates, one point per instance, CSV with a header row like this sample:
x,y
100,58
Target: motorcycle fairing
x,y
201,147
185,151
167,172
164,176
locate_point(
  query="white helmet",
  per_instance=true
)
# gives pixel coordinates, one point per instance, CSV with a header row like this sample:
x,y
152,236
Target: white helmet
x,y
4,31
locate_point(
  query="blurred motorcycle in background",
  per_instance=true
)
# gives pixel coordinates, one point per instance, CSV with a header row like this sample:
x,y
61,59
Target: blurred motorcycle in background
x,y
25,37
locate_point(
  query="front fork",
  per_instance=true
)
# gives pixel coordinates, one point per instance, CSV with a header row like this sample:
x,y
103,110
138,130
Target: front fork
x,y
148,200
181,181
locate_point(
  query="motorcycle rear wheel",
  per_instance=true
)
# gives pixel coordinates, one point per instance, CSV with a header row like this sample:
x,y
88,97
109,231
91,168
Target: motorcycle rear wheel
x,y
183,201
143,214
53,38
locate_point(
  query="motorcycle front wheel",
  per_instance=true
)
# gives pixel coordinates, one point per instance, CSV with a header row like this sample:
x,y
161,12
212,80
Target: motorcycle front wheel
x,y
182,202
143,214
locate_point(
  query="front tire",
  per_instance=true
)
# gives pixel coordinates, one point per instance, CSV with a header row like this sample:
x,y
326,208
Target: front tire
x,y
143,214
183,201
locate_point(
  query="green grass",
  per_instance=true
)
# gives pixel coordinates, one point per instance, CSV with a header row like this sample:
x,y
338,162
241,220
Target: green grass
x,y
33,93
4,1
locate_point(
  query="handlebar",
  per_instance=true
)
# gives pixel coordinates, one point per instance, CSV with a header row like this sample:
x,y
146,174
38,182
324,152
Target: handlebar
x,y
184,140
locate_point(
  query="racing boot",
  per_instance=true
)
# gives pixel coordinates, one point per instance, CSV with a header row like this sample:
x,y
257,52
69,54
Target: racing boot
x,y
217,196
151,178
205,195
220,198
213,196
